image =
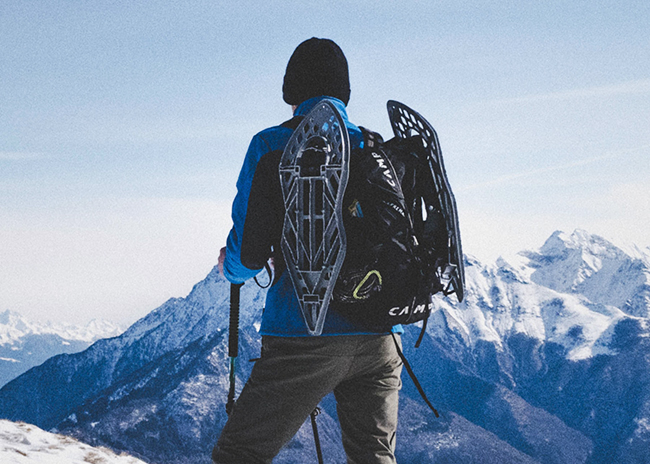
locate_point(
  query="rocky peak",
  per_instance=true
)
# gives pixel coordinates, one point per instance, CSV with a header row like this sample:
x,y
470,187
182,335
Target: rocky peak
x,y
589,265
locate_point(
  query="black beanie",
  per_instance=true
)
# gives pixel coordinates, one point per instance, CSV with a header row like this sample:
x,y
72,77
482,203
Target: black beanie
x,y
317,67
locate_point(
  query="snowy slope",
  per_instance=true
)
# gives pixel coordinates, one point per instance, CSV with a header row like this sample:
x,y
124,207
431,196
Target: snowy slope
x,y
22,443
503,300
591,266
572,292
25,344
174,325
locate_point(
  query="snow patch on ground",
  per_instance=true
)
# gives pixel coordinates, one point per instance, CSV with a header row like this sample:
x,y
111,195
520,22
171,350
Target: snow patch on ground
x,y
22,443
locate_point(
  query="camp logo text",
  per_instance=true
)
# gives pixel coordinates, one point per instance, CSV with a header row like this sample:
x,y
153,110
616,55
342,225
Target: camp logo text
x,y
397,311
385,168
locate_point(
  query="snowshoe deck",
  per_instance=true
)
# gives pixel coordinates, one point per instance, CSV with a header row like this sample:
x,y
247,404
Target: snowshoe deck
x,y
406,123
313,175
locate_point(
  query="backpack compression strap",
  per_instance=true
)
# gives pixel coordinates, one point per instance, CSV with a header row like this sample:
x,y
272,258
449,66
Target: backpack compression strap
x,y
413,377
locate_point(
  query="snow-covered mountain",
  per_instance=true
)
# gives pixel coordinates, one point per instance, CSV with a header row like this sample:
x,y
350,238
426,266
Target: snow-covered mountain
x,y
590,266
22,443
539,364
25,344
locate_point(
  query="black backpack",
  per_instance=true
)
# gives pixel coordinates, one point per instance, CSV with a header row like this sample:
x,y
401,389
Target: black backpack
x,y
394,248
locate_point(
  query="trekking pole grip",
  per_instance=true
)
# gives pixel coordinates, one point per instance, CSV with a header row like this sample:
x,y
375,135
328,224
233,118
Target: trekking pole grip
x,y
233,343
233,331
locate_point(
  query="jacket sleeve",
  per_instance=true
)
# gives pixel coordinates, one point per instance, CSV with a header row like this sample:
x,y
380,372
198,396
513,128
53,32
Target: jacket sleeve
x,y
265,213
234,270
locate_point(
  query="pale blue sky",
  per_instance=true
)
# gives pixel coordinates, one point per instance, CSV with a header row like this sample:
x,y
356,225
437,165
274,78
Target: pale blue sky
x,y
123,125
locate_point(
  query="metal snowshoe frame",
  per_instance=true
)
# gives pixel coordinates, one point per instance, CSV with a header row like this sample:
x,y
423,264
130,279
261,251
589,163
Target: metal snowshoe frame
x,y
313,175
407,122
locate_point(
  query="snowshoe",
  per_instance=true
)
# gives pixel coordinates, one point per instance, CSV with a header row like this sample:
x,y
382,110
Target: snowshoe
x,y
313,175
408,123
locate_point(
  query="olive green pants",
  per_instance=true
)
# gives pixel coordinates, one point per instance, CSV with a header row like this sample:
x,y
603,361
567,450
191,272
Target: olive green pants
x,y
292,377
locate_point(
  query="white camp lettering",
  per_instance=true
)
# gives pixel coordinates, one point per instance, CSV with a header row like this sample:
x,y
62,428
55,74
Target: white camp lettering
x,y
393,311
419,309
382,165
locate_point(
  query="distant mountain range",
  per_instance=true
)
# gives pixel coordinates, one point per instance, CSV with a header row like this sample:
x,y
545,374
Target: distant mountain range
x,y
546,361
25,344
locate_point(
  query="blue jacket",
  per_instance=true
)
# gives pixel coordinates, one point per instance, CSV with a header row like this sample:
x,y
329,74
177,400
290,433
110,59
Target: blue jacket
x,y
282,315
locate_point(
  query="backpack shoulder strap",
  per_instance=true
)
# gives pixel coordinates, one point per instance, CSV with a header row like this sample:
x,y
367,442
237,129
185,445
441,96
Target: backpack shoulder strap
x,y
371,139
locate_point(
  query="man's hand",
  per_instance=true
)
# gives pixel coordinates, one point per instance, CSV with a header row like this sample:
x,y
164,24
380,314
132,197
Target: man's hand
x,y
222,258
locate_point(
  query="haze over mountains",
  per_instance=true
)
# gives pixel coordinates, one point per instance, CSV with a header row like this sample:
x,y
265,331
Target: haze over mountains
x,y
545,361
25,344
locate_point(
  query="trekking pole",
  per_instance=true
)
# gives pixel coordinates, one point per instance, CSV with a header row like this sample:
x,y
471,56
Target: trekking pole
x,y
233,342
314,427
